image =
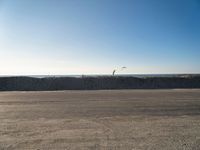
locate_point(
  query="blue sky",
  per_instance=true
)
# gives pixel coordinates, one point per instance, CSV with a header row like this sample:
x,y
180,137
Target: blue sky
x,y
96,36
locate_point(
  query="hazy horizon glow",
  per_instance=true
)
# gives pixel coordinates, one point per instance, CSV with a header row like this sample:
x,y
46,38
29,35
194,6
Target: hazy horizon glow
x,y
96,36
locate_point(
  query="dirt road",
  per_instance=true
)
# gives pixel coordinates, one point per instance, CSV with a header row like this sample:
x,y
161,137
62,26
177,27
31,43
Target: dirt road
x,y
105,120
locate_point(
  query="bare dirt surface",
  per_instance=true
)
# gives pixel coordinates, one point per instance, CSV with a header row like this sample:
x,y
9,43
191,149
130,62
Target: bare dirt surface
x,y
102,120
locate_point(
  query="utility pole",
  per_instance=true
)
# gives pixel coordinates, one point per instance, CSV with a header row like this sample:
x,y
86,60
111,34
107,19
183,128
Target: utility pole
x,y
113,73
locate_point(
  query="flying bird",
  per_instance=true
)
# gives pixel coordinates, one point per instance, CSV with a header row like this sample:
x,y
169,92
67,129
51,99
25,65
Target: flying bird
x,y
123,68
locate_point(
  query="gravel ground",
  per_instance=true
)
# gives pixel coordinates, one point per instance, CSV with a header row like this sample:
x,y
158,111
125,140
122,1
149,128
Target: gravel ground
x,y
102,120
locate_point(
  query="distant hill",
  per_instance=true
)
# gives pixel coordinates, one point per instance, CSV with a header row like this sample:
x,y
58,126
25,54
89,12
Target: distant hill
x,y
24,83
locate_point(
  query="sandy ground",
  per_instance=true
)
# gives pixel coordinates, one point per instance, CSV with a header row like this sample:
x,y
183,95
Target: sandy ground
x,y
102,120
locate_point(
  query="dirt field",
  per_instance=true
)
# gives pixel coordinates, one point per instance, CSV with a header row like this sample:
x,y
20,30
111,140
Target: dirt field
x,y
105,120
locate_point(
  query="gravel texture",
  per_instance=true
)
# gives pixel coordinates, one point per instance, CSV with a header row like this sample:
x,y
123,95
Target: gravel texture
x,y
102,120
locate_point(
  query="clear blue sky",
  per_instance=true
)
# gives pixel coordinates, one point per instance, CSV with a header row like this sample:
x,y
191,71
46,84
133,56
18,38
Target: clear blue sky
x,y
96,36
